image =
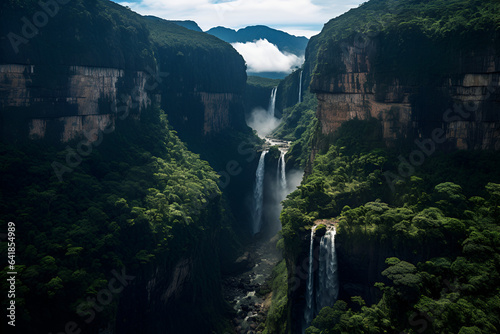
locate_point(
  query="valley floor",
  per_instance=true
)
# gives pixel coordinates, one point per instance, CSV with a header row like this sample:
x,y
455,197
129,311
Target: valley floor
x,y
248,292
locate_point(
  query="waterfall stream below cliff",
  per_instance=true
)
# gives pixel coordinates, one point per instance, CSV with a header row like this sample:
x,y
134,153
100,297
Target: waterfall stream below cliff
x,y
328,283
272,102
258,194
322,281
309,311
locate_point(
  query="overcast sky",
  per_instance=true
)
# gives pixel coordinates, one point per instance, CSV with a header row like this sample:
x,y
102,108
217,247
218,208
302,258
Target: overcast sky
x,y
297,17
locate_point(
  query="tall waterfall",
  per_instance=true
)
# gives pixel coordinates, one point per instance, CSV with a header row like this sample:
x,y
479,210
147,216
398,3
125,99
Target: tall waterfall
x,y
328,285
300,87
258,194
309,311
272,102
322,284
281,186
283,171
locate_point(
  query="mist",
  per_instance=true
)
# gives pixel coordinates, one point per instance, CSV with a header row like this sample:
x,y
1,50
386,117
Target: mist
x,y
293,178
262,121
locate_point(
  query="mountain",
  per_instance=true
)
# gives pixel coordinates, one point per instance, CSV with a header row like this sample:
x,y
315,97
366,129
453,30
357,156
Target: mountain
x,y
284,41
132,51
400,161
135,199
409,72
111,208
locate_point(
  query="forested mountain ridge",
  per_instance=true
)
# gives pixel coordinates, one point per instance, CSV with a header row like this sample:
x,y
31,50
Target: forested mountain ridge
x,y
400,86
137,208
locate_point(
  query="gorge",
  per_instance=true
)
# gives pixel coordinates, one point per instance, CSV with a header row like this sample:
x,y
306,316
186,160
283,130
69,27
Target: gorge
x,y
361,193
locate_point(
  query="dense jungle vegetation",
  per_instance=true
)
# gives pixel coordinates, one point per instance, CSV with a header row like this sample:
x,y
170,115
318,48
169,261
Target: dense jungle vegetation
x,y
446,216
139,197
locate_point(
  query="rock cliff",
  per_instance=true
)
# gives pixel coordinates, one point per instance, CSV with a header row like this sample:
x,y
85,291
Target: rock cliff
x,y
425,75
464,103
418,68
94,79
76,100
90,67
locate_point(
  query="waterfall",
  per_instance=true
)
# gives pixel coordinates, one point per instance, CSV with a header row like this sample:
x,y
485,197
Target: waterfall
x,y
278,182
283,171
258,194
309,311
300,87
328,286
272,102
326,290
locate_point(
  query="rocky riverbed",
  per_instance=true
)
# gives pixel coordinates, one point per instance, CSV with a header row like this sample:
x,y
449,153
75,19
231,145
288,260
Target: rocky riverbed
x,y
248,291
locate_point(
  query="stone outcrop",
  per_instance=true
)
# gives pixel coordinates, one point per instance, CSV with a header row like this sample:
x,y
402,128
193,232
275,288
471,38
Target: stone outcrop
x,y
216,111
73,101
65,103
468,110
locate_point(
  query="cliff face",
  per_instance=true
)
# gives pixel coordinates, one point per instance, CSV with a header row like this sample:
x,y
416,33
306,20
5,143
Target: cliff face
x,y
464,103
96,64
430,83
92,79
75,100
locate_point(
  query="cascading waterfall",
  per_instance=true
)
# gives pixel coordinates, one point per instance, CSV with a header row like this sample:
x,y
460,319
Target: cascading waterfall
x,y
309,311
326,290
272,102
281,186
300,87
283,171
278,181
328,287
258,194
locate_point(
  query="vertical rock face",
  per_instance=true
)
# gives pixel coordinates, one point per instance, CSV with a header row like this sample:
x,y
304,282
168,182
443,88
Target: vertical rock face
x,y
463,103
217,107
117,66
67,102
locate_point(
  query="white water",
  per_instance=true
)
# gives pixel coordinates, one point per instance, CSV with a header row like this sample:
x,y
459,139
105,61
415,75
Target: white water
x,y
327,289
272,102
309,311
300,87
258,194
278,182
281,184
262,120
283,171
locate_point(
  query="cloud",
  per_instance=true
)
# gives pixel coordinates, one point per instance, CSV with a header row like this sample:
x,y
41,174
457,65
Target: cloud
x,y
262,56
299,15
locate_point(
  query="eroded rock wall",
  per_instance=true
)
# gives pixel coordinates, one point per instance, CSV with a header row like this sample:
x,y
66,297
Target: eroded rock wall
x,y
465,104
67,101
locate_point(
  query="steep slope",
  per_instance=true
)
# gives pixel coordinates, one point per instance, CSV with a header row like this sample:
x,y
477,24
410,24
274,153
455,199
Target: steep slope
x,y
400,86
415,66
